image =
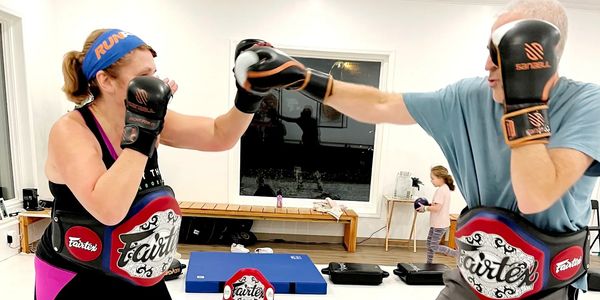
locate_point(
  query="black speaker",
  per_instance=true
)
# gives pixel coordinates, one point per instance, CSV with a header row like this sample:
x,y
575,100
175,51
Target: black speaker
x,y
30,200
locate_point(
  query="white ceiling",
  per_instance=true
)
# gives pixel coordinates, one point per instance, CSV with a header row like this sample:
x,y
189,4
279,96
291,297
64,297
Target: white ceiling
x,y
580,4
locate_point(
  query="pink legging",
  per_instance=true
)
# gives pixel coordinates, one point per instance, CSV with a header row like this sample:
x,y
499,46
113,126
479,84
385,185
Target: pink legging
x,y
49,279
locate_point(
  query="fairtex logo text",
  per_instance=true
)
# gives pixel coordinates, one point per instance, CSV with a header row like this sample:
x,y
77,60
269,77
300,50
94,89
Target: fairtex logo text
x,y
568,264
76,242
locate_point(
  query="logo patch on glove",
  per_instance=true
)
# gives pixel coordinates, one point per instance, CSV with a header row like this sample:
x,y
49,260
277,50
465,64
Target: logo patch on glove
x,y
535,52
141,96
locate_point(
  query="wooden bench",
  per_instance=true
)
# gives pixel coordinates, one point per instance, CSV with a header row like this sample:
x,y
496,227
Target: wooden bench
x,y
254,212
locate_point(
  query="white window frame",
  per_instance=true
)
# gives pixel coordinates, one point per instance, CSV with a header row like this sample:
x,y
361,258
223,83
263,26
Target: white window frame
x,y
369,209
20,119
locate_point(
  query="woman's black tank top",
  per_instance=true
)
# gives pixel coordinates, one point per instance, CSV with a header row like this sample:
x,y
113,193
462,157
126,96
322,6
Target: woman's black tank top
x,y
65,200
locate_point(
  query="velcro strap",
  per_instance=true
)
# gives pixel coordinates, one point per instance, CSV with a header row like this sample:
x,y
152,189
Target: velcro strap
x,y
317,85
247,102
139,139
526,125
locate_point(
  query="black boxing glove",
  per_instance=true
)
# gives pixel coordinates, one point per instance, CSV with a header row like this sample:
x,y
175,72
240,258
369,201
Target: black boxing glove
x,y
525,52
260,69
245,101
146,107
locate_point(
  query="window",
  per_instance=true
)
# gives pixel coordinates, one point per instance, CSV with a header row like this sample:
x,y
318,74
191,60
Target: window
x,y
17,147
6,170
308,150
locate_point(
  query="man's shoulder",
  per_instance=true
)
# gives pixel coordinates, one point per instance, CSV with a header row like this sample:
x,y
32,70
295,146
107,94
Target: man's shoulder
x,y
468,88
573,96
572,88
472,82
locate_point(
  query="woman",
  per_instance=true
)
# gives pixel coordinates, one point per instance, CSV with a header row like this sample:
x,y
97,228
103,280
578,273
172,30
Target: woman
x,y
115,224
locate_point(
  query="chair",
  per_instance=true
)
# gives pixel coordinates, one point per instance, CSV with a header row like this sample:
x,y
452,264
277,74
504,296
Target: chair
x,y
596,227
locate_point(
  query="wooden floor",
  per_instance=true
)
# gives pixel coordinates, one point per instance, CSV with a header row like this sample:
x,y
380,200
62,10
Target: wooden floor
x,y
324,253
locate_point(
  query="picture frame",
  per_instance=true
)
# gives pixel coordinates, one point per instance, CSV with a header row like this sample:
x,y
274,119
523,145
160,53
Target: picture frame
x,y
3,211
330,117
271,159
365,71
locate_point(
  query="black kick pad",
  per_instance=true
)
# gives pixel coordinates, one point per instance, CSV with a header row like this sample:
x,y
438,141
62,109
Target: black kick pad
x,y
421,274
355,273
594,280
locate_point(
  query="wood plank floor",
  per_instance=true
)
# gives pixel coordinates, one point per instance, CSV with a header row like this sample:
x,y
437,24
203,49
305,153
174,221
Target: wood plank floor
x,y
323,253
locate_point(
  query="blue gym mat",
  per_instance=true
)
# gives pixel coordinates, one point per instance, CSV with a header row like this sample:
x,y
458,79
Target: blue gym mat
x,y
207,272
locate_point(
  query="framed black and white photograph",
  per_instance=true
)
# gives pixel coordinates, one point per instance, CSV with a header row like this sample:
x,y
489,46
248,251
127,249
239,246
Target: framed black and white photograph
x,y
3,211
306,149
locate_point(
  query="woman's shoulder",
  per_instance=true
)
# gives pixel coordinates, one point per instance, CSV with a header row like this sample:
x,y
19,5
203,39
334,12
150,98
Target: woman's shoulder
x,y
69,121
70,126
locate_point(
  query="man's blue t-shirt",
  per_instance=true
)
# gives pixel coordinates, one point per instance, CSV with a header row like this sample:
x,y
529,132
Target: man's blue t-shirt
x,y
465,121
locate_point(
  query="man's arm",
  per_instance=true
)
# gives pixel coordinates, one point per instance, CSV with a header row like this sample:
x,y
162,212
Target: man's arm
x,y
260,69
368,104
540,176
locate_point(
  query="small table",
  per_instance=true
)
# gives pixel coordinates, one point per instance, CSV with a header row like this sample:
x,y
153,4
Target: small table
x,y
391,201
27,218
452,230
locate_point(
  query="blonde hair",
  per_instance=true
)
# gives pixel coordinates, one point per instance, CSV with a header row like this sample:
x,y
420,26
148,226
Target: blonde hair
x,y
548,10
442,172
76,86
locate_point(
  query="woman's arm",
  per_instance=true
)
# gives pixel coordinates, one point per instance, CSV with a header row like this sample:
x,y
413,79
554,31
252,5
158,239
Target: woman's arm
x,y
203,133
75,159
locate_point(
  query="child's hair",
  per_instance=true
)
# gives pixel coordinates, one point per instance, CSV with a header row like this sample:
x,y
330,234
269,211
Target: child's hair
x,y
442,172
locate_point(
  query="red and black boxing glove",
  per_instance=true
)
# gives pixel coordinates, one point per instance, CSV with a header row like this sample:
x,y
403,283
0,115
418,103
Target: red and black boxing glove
x,y
244,100
260,69
525,52
146,107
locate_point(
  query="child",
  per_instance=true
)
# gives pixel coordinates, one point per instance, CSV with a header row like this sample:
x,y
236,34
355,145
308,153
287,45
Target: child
x,y
439,218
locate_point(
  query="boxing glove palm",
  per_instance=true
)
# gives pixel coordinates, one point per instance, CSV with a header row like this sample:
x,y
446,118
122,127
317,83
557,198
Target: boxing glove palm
x,y
525,52
146,107
244,100
260,69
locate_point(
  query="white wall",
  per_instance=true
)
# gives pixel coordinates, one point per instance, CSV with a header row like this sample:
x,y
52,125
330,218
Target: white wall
x,y
432,43
9,226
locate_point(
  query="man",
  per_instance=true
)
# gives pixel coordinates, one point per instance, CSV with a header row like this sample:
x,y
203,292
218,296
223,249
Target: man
x,y
523,143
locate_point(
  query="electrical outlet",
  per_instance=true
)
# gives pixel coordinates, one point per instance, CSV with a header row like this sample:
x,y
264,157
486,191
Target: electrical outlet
x,y
10,228
11,238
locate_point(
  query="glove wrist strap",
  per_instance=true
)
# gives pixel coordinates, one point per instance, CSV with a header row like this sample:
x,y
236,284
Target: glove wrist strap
x,y
139,139
317,85
247,102
526,126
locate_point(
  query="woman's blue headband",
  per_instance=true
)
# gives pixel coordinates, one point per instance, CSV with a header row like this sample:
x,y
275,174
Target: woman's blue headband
x,y
107,49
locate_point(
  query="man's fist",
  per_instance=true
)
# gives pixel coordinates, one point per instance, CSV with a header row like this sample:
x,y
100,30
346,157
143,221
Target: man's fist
x,y
260,69
244,100
525,52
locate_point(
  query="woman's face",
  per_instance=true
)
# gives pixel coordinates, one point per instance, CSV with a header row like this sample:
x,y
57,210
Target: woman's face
x,y
436,181
140,62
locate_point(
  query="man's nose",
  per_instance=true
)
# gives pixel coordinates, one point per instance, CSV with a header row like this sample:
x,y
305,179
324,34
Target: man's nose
x,y
489,64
